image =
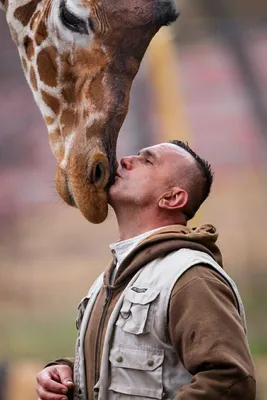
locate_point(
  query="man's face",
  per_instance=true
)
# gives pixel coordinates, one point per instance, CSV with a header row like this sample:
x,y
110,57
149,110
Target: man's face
x,y
143,178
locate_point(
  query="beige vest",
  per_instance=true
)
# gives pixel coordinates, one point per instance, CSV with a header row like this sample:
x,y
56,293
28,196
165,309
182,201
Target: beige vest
x,y
138,360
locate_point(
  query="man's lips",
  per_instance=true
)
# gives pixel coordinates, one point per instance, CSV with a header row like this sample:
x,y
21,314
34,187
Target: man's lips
x,y
118,175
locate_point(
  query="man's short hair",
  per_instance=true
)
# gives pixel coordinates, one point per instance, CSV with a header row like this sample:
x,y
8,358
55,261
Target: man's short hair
x,y
197,182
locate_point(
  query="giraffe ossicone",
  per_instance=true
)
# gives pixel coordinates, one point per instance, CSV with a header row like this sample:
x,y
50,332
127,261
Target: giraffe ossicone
x,y
80,58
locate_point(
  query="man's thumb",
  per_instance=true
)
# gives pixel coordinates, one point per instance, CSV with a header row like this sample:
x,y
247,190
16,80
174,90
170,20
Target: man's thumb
x,y
69,383
66,376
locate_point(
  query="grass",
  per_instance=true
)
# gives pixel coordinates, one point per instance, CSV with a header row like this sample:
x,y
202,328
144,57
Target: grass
x,y
255,303
46,340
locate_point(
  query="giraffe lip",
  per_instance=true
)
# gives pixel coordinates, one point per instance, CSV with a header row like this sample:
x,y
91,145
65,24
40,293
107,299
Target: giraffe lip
x,y
69,192
111,181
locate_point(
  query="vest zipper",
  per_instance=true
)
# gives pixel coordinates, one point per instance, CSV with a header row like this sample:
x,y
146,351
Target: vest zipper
x,y
100,332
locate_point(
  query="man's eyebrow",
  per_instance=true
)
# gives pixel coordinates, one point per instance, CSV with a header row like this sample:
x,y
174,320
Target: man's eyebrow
x,y
148,153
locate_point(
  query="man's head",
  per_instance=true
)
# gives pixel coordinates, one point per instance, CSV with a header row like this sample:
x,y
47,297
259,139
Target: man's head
x,y
169,179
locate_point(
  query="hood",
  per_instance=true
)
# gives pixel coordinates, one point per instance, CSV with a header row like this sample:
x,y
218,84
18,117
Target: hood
x,y
202,238
160,243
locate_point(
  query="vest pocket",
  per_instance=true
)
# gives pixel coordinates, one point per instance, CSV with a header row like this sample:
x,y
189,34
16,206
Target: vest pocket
x,y
136,372
136,313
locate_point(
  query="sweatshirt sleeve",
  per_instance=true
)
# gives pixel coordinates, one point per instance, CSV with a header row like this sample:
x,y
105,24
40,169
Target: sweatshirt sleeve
x,y
206,330
65,361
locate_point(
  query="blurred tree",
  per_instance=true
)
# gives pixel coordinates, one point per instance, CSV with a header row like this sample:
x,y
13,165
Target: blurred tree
x,y
224,16
195,21
229,21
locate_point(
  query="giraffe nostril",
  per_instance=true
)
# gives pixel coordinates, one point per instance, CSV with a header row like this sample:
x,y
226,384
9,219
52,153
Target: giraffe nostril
x,y
98,174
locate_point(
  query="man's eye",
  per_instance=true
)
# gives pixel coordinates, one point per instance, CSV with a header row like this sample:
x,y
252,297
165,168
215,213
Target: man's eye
x,y
147,161
71,21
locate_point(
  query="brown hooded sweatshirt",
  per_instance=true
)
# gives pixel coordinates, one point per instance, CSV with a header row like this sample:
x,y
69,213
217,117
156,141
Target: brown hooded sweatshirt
x,y
204,325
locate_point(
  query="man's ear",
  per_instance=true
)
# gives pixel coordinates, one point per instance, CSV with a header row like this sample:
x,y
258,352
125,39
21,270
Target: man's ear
x,y
174,199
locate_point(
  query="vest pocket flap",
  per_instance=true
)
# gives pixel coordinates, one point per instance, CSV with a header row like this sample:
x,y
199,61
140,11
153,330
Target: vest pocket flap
x,y
138,295
142,359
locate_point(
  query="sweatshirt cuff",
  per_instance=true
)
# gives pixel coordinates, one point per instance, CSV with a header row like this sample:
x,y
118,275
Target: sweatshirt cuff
x,y
62,361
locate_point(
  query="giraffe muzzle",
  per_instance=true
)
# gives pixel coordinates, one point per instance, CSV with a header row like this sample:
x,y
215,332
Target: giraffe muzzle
x,y
86,188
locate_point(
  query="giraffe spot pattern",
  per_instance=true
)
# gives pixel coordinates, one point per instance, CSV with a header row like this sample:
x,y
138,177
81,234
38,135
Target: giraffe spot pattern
x,y
54,136
95,91
33,79
67,74
93,129
29,47
34,20
67,121
56,143
14,34
5,4
24,64
51,101
68,93
41,33
49,120
47,68
25,12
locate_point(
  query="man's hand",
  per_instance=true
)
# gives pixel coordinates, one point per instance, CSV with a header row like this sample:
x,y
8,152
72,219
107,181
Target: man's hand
x,y
54,382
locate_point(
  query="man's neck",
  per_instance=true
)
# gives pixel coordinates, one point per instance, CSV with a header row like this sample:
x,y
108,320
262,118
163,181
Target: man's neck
x,y
135,223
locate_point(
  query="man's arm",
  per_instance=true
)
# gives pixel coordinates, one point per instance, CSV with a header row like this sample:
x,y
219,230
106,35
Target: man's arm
x,y
206,330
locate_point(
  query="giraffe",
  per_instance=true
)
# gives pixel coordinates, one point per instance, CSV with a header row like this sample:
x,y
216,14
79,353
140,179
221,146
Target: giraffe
x,y
80,58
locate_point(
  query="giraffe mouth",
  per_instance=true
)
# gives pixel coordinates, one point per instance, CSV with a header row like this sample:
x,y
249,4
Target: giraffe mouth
x,y
70,197
63,187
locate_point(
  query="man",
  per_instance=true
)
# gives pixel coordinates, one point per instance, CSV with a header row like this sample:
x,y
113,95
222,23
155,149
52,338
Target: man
x,y
165,320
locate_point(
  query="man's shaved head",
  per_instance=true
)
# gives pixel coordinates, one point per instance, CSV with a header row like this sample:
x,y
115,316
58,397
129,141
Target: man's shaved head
x,y
196,178
162,185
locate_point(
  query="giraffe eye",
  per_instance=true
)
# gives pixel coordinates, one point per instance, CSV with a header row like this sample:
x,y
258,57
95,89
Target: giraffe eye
x,y
71,21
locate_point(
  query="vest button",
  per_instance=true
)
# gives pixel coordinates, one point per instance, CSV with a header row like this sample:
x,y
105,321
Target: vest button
x,y
150,363
119,359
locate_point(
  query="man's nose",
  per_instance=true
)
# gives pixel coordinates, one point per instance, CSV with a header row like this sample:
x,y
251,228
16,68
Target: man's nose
x,y
126,162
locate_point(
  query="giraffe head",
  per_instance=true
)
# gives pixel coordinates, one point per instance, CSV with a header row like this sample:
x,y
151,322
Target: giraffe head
x,y
80,58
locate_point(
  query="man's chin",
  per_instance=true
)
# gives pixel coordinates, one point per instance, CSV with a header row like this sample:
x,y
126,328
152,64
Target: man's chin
x,y
114,198
110,196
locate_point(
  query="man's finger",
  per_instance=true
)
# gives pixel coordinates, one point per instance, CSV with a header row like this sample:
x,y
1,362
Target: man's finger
x,y
65,374
50,396
52,386
48,380
44,395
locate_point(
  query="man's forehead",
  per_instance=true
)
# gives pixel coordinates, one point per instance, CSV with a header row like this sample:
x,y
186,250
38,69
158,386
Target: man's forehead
x,y
166,149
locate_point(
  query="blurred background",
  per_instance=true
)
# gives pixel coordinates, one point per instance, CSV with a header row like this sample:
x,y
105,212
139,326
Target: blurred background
x,y
203,80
